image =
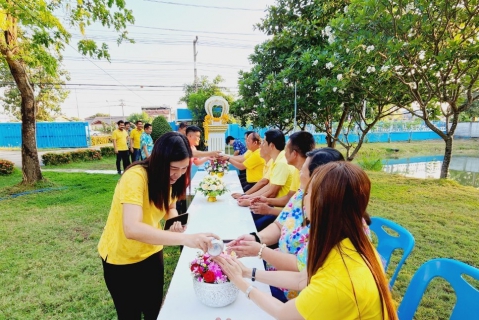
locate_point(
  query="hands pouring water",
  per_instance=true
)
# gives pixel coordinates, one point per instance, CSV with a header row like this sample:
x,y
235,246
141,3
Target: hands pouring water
x,y
244,246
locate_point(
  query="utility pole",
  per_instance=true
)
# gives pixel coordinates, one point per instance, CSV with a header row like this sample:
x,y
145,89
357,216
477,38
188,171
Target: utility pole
x,y
122,104
194,59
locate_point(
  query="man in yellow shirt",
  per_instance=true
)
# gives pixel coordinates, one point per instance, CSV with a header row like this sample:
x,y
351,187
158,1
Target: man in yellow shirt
x,y
135,137
253,163
298,145
120,139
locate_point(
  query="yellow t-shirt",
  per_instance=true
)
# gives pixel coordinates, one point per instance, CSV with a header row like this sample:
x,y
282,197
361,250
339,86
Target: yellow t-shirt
x,y
114,246
267,169
281,174
247,154
330,295
295,181
120,137
135,137
254,167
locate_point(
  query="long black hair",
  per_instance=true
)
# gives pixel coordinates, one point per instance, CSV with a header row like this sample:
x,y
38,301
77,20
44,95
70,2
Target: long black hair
x,y
170,147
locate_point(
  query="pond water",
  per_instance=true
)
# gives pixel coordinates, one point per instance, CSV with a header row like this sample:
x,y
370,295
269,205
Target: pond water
x,y
464,170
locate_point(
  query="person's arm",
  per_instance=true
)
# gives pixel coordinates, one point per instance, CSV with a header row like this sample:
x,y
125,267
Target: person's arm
x,y
282,201
264,208
145,150
239,158
259,192
200,154
129,141
282,279
272,191
260,184
114,145
271,234
135,229
236,163
236,153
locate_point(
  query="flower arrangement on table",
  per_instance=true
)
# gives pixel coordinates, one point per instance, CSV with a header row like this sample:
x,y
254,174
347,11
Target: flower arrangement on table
x,y
212,287
206,270
211,187
216,166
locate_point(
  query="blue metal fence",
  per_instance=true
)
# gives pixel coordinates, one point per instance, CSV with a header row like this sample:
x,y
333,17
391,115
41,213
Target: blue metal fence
x,y
49,135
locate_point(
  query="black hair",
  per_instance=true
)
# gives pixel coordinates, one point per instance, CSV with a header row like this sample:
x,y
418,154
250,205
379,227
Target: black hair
x,y
229,138
276,137
302,142
146,126
322,156
170,147
182,125
192,129
138,121
120,122
127,122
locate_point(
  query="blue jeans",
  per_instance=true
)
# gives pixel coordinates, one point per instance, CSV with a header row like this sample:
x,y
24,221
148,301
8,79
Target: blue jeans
x,y
136,155
261,221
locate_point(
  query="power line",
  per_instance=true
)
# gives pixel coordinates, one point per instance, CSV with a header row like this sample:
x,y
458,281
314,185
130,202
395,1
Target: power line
x,y
38,21
202,6
197,31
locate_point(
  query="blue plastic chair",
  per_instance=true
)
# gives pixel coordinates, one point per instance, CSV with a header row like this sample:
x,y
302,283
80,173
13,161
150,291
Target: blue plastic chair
x,y
387,243
467,296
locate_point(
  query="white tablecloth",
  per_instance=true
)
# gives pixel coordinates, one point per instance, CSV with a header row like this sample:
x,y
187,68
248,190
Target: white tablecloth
x,y
227,220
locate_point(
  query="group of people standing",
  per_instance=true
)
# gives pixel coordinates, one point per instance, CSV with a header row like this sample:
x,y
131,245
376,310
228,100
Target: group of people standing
x,y
130,144
309,206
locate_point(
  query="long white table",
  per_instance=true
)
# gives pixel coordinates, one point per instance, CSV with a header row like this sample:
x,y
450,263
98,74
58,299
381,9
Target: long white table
x,y
226,219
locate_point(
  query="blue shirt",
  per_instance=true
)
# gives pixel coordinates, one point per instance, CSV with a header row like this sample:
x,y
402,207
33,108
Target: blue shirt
x,y
146,140
239,146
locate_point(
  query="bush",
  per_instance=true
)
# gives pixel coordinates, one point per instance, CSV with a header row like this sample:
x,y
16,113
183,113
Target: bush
x,y
107,151
370,160
6,167
100,140
52,159
160,127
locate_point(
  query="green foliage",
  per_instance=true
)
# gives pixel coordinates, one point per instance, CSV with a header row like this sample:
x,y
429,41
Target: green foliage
x,y
99,114
107,151
160,127
195,99
6,167
370,161
53,159
143,117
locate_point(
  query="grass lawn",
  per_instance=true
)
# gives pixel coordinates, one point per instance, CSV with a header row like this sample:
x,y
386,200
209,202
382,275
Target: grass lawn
x,y
50,269
106,163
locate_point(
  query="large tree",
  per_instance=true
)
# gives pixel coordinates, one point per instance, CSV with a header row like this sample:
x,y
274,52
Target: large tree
x,y
427,50
42,41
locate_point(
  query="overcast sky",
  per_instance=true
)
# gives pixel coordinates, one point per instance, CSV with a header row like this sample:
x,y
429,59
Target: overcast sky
x,y
152,71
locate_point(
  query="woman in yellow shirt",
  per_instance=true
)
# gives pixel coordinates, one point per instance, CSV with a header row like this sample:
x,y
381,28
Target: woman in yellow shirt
x,y
344,278
132,241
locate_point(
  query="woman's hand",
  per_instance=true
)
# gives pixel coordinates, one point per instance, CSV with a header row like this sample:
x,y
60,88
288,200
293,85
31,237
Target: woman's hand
x,y
247,237
260,199
260,208
245,248
232,268
200,240
244,202
177,227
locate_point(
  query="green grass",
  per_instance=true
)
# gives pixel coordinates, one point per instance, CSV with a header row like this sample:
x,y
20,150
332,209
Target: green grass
x,y
106,163
50,269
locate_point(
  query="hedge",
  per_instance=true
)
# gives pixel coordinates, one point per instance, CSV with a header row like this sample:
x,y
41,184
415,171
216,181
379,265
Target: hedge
x,y
53,159
6,167
107,151
96,140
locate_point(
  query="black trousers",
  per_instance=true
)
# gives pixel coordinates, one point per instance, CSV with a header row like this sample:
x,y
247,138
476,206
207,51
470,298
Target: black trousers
x,y
124,156
136,288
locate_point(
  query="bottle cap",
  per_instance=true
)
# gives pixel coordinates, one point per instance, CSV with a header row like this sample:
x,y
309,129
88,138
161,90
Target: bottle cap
x,y
216,247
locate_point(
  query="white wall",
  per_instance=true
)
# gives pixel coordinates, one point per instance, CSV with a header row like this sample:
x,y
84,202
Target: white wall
x,y
467,130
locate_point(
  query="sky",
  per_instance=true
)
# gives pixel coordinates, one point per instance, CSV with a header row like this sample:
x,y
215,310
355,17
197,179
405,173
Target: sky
x,y
152,71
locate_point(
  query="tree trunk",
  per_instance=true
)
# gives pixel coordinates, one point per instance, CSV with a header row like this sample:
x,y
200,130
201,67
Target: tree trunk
x,y
30,163
447,158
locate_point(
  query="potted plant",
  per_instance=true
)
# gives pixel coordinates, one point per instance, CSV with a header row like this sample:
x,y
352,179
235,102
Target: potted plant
x,y
211,187
212,286
217,167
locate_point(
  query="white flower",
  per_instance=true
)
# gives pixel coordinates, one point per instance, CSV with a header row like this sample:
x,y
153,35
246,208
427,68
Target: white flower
x,y
285,80
397,68
422,54
329,65
413,85
261,100
335,89
315,62
213,187
286,120
341,105
331,39
384,68
352,95
369,49
341,91
204,186
371,69
347,50
319,103
345,9
339,77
